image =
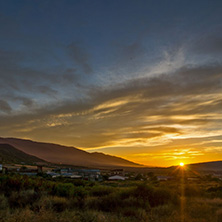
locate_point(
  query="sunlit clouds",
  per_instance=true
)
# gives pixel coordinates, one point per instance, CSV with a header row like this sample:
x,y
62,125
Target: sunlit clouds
x,y
138,115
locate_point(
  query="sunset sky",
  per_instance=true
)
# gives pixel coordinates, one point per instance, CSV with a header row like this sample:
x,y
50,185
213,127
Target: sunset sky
x,y
137,79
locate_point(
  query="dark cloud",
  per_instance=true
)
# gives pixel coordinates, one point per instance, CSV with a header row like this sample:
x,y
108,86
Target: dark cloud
x,y
27,102
4,107
130,53
18,80
161,89
47,90
80,56
210,44
70,75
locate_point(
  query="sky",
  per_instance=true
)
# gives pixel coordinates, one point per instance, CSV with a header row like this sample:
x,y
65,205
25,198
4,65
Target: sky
x,y
137,79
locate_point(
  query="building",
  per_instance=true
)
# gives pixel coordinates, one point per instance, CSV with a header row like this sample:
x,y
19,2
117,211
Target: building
x,y
116,177
164,178
86,174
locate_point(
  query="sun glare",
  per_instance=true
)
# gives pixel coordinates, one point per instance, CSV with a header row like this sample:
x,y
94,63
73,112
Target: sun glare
x,y
181,164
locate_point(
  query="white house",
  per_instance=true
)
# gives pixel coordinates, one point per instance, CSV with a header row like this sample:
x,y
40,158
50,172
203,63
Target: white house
x,y
116,177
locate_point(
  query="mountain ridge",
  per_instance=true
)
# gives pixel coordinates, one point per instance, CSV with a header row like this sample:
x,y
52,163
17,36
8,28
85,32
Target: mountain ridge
x,y
10,154
56,153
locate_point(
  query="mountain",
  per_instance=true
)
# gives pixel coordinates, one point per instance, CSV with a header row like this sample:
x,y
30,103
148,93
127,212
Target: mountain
x,y
66,155
207,166
194,169
9,154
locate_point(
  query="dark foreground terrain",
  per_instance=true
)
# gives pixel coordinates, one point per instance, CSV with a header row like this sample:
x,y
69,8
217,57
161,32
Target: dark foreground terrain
x,y
40,199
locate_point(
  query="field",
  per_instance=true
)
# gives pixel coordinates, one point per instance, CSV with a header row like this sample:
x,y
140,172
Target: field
x,y
38,199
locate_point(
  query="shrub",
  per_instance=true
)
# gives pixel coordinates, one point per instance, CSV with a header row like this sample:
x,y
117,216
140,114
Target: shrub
x,y
135,202
219,215
154,196
23,198
108,203
64,189
215,191
52,203
80,192
161,196
3,202
136,213
144,192
192,191
87,216
100,191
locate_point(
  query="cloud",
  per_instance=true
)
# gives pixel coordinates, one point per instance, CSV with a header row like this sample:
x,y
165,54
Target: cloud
x,y
47,90
210,44
19,80
130,54
80,56
5,107
147,112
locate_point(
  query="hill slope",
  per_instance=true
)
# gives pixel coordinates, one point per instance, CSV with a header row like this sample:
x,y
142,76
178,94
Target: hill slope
x,y
207,166
66,155
9,154
194,169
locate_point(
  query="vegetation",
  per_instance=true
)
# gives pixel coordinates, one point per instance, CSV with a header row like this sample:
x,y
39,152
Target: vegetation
x,y
24,198
9,154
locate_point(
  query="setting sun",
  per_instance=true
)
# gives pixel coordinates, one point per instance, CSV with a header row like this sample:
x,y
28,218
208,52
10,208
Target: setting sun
x,y
181,164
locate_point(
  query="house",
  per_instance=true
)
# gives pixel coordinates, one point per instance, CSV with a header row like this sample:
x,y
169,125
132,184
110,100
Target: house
x,y
53,174
118,172
116,177
164,178
87,174
76,177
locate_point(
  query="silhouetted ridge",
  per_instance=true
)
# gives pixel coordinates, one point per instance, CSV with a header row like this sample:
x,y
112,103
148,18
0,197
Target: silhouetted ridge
x,y
10,154
66,155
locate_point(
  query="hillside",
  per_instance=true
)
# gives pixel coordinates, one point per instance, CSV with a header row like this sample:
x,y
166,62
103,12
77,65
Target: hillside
x,y
198,168
66,155
9,154
207,166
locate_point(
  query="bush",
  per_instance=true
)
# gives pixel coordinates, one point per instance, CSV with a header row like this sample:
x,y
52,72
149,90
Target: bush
x,y
52,203
64,189
135,202
161,196
23,198
154,196
215,191
192,191
100,191
108,203
133,212
3,202
87,216
80,192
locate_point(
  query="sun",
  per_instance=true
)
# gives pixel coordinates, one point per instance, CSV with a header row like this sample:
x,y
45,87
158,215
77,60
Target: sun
x,y
181,164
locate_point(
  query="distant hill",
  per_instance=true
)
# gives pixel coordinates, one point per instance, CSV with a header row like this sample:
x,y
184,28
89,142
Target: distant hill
x,y
9,154
198,168
66,155
207,166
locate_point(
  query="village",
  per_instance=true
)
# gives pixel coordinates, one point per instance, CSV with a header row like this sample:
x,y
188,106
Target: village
x,y
112,174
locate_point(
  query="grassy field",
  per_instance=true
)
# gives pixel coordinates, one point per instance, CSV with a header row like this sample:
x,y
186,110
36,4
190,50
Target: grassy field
x,y
38,199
